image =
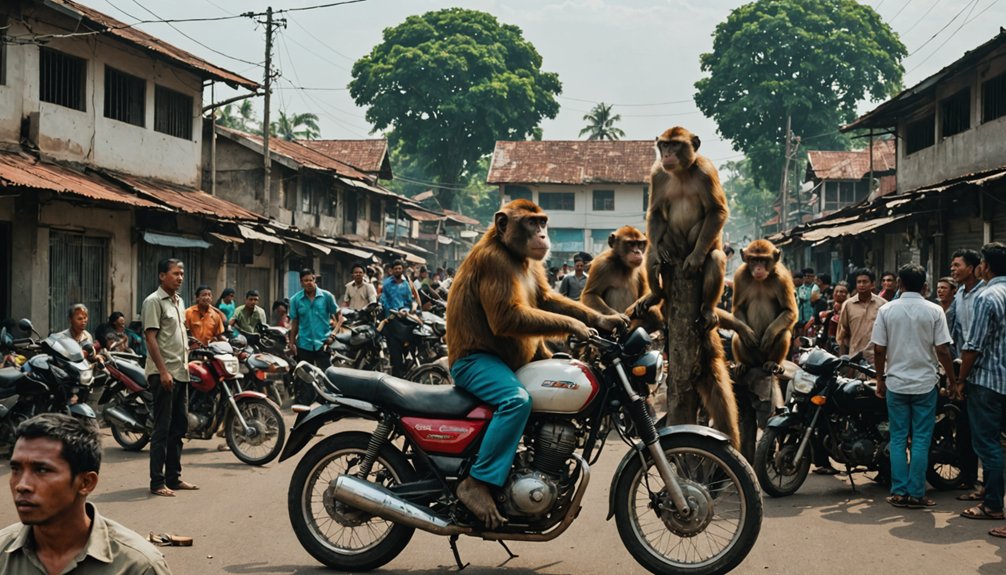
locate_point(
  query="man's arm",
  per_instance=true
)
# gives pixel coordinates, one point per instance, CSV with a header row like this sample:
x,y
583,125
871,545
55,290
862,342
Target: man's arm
x,y
880,361
154,354
947,361
842,336
371,293
292,335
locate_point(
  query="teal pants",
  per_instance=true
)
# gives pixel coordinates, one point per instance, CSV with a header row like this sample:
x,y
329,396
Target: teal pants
x,y
486,377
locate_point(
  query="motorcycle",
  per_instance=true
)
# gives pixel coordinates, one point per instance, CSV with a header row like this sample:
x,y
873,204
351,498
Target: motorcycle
x,y
263,372
683,499
849,421
126,399
360,345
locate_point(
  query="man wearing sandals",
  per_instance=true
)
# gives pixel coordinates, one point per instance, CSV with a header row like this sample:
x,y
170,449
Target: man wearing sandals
x,y
983,369
54,467
909,337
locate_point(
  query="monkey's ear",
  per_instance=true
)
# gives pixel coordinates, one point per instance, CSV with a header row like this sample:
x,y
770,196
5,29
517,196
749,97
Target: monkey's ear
x,y
611,240
775,254
500,219
744,257
696,142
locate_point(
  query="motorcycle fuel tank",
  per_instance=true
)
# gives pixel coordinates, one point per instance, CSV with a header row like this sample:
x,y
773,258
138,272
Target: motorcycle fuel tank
x,y
559,385
200,377
855,396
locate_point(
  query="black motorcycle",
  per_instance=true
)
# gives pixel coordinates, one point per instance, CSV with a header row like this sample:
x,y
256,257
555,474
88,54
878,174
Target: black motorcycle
x,y
359,345
845,416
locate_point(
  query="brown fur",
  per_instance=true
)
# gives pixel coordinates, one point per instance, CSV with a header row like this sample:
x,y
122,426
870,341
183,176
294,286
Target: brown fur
x,y
615,283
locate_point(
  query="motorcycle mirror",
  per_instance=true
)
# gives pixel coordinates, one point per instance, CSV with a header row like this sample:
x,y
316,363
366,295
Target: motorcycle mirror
x,y
25,325
805,341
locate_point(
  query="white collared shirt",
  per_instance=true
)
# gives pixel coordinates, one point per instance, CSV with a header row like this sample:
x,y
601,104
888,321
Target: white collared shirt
x,y
910,328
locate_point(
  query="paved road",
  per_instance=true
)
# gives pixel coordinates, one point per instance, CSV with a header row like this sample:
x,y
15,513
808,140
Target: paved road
x,y
239,522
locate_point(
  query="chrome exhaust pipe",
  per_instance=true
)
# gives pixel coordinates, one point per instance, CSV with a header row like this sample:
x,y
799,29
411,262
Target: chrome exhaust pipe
x,y
118,415
377,500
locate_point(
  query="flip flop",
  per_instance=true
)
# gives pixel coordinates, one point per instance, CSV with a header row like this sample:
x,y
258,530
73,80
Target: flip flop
x,y
169,540
897,500
980,512
162,492
185,486
998,532
972,496
919,502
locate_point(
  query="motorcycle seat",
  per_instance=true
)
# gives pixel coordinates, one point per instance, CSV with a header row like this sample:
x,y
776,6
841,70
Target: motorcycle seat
x,y
407,397
344,337
8,380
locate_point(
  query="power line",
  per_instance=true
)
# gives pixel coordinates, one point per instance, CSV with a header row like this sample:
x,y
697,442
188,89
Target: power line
x,y
950,37
919,21
898,13
938,32
629,105
310,89
320,41
329,5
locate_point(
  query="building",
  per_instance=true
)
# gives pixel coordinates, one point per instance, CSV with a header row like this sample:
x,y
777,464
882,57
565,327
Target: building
x,y
588,188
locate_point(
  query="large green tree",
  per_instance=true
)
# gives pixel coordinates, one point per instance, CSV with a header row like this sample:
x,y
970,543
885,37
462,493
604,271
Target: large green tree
x,y
601,123
450,84
812,60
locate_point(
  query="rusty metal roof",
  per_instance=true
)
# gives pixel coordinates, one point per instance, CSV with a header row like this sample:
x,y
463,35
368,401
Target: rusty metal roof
x,y
187,200
19,170
369,156
571,162
295,152
459,218
160,48
851,165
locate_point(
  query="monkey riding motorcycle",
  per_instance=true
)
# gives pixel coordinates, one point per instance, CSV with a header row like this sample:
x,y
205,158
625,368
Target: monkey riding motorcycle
x,y
684,501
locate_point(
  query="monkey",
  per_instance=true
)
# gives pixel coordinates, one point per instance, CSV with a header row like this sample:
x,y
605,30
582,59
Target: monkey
x,y
618,279
499,310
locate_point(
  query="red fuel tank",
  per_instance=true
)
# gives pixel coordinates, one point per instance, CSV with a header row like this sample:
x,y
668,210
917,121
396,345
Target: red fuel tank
x,y
200,377
447,436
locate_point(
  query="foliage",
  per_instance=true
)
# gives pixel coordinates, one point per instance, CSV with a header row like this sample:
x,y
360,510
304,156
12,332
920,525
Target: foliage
x,y
296,126
450,84
240,118
747,200
601,124
810,59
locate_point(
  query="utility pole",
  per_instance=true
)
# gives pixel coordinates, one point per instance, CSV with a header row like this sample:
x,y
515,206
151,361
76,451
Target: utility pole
x,y
784,192
270,25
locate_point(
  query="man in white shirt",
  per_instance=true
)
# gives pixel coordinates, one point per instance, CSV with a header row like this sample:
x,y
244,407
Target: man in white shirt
x,y
358,292
909,336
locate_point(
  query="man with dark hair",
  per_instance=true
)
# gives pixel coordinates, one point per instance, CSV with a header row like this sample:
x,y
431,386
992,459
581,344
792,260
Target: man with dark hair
x,y
963,270
167,377
572,284
983,372
359,293
806,293
910,336
248,317
312,312
887,288
397,294
203,321
54,467
855,323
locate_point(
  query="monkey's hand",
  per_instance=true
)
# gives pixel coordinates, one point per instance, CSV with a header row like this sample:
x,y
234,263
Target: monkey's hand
x,y
693,263
643,304
580,330
610,323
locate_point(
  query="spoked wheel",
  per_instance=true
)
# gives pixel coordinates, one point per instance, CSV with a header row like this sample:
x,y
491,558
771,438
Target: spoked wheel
x,y
129,440
265,440
429,374
725,509
944,472
778,473
340,536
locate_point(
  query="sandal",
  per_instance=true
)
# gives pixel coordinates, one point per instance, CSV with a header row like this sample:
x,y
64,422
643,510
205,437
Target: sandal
x,y
976,495
185,486
826,471
162,492
982,513
998,532
897,500
919,502
169,540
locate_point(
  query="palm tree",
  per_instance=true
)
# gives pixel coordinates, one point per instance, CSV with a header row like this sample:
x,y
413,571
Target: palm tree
x,y
296,126
244,120
601,124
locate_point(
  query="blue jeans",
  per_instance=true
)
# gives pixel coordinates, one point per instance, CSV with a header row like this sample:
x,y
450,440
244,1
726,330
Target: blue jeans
x,y
987,412
915,416
486,377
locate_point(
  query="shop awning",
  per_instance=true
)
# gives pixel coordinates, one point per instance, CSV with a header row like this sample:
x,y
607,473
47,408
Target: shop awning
x,y
420,215
822,235
226,238
173,241
298,246
248,233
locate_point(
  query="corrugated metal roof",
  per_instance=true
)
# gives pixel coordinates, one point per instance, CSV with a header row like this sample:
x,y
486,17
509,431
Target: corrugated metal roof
x,y
421,216
120,30
295,152
187,200
852,164
366,155
20,170
571,162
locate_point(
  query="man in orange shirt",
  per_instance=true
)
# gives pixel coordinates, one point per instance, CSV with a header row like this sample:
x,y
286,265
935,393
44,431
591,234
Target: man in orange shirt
x,y
203,321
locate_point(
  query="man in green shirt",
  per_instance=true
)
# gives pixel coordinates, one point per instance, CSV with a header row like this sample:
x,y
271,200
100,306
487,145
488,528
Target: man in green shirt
x,y
248,317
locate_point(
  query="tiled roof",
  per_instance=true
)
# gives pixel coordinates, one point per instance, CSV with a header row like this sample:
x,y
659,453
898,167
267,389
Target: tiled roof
x,y
851,165
298,153
98,21
366,155
571,162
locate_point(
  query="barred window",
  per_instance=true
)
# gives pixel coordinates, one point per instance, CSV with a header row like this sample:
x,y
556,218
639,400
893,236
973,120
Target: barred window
x,y
61,78
920,134
994,98
559,201
604,200
172,113
955,113
125,97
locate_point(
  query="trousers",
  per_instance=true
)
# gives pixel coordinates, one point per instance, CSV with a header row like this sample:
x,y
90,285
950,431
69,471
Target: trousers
x,y
915,416
171,422
486,377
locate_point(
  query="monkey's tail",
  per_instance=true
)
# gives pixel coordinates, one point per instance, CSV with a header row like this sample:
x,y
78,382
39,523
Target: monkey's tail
x,y
718,393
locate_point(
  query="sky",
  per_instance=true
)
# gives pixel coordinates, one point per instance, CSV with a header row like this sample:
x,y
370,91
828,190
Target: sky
x,y
640,56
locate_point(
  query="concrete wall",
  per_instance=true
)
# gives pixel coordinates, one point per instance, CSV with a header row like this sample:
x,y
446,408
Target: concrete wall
x,y
239,180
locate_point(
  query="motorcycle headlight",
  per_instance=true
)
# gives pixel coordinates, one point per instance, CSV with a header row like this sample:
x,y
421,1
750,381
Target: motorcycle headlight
x,y
803,382
87,377
231,365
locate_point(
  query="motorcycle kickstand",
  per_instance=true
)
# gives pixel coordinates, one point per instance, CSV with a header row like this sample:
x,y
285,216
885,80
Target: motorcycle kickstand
x,y
511,554
457,555
852,482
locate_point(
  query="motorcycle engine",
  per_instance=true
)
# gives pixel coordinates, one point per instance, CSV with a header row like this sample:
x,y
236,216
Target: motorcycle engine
x,y
534,487
857,447
200,410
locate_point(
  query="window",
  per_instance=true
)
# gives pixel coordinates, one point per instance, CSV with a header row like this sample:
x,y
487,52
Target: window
x,y
920,134
994,98
125,97
955,113
61,78
604,200
172,113
375,209
566,239
519,193
559,201
351,208
78,268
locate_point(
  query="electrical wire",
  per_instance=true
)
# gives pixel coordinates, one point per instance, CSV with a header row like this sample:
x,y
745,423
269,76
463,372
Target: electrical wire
x,y
940,31
628,105
950,37
919,21
320,41
898,13
329,5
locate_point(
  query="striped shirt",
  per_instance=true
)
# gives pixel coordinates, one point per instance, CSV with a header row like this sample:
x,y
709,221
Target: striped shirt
x,y
964,310
987,336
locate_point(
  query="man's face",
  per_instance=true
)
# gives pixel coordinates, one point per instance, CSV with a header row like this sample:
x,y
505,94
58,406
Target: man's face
x,y
309,283
41,483
204,298
981,272
120,324
397,271
960,271
887,283
172,279
358,275
251,301
79,320
808,279
841,294
944,291
864,284
578,266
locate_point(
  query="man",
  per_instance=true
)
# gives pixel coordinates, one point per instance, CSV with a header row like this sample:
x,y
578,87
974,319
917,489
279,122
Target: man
x,y
806,294
887,287
359,293
312,312
983,372
167,377
248,317
855,323
445,284
572,284
397,294
54,467
909,337
78,316
423,278
203,321
964,264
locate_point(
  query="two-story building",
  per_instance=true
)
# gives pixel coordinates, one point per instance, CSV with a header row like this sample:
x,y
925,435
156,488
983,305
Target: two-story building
x,y
588,188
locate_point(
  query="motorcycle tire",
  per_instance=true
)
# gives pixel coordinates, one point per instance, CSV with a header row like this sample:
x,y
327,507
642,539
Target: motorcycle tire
x,y
943,471
310,481
265,417
429,374
128,440
776,448
702,463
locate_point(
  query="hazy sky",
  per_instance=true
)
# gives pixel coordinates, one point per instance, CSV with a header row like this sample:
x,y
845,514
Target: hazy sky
x,y
643,57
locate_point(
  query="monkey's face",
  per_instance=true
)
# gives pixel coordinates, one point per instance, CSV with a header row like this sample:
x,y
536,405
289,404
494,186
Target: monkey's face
x,y
672,154
759,268
538,244
632,252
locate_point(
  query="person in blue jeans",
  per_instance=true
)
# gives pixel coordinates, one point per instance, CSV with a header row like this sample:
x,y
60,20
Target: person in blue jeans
x,y
983,380
911,338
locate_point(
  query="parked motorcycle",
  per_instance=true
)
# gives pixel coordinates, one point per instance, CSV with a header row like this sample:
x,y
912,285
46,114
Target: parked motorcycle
x,y
126,400
684,501
262,371
849,420
360,345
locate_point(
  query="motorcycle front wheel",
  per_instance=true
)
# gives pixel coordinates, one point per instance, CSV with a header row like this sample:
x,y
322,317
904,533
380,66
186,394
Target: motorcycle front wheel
x,y
726,509
268,433
944,471
429,374
339,536
778,474
129,440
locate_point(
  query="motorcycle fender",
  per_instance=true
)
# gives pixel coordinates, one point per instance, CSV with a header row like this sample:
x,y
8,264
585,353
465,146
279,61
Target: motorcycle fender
x,y
640,448
785,421
249,395
82,410
106,395
308,423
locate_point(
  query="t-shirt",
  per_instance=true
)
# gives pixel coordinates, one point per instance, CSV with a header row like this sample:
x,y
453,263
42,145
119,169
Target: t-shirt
x,y
248,320
204,326
313,317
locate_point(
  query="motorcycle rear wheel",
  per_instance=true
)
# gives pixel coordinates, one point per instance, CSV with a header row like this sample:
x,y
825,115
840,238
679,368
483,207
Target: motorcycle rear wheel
x,y
429,374
267,442
717,481
339,536
129,440
944,471
778,474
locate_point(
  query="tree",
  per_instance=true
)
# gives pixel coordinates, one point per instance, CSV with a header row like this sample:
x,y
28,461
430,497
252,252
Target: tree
x,y
750,204
601,124
450,84
244,120
813,60
296,127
